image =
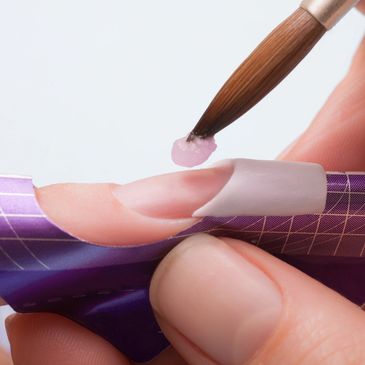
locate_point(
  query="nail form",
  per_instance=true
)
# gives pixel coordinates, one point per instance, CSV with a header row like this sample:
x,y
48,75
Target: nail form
x,y
105,289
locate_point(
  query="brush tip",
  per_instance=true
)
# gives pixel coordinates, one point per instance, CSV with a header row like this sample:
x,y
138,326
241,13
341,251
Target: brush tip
x,y
191,137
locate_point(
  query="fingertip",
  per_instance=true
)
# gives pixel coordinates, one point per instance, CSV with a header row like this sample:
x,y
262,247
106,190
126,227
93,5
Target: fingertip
x,y
43,339
92,213
200,294
336,137
228,302
357,67
361,6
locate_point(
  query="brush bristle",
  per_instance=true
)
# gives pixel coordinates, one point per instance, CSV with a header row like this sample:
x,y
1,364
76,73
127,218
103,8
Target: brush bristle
x,y
264,69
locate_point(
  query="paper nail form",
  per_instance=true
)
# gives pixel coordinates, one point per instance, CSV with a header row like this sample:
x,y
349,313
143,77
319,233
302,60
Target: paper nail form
x,y
43,269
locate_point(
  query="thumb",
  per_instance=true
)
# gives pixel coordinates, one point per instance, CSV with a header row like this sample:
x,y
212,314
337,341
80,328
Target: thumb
x,y
221,301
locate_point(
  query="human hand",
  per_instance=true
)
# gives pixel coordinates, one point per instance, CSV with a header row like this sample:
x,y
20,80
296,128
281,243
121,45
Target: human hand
x,y
332,330
221,301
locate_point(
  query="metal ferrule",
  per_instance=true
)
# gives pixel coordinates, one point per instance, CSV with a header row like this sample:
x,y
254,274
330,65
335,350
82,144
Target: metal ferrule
x,y
328,12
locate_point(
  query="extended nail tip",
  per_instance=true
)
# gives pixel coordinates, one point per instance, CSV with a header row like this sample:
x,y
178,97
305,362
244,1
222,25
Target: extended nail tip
x,y
222,163
199,213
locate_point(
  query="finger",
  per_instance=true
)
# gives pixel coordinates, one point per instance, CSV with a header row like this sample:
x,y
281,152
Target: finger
x,y
140,212
66,343
110,214
43,339
5,358
73,208
221,301
361,6
336,138
168,357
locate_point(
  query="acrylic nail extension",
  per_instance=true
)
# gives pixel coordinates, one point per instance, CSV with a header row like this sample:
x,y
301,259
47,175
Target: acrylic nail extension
x,y
269,188
230,188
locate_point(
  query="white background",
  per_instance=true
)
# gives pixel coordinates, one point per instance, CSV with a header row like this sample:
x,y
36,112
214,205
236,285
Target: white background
x,y
96,91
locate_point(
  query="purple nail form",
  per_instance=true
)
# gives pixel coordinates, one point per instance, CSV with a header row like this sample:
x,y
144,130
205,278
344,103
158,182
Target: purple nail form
x,y
43,269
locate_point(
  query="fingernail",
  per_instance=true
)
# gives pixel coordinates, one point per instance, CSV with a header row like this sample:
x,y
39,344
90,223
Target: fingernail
x,y
175,195
222,303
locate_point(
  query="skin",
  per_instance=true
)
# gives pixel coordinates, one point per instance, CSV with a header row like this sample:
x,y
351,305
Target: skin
x,y
330,332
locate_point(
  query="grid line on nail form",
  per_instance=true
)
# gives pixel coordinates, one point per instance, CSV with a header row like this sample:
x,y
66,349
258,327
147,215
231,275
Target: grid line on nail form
x,y
287,237
261,232
343,210
20,240
81,268
266,232
17,203
348,189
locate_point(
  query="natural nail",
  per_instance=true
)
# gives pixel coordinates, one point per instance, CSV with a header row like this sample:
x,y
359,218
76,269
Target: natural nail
x,y
221,302
175,195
